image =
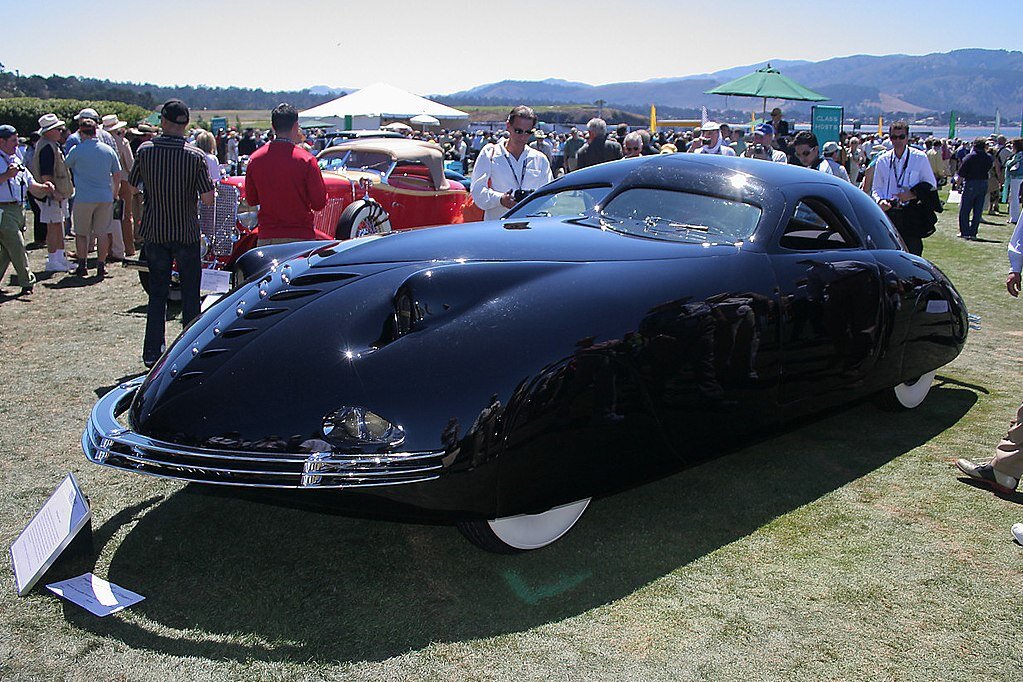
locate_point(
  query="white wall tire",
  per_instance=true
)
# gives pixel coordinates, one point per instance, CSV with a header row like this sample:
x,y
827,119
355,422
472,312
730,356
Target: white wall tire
x,y
362,218
524,532
911,393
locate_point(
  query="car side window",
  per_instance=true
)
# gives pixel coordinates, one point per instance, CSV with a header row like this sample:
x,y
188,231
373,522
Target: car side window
x,y
816,226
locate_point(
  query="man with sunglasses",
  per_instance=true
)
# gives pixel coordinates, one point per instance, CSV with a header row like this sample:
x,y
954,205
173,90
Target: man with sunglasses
x,y
807,151
508,170
902,175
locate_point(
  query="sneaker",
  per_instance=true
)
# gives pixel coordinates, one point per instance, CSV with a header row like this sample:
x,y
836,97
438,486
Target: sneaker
x,y
986,474
1017,532
81,270
54,265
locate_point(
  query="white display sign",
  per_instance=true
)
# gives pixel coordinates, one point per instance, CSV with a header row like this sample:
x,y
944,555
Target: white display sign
x,y
217,281
48,534
99,597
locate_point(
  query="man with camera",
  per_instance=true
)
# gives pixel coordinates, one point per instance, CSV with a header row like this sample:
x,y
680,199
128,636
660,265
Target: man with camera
x,y
761,148
507,171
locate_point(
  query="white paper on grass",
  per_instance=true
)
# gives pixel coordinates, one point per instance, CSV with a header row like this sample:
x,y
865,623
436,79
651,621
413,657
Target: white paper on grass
x,y
48,534
97,596
217,281
954,197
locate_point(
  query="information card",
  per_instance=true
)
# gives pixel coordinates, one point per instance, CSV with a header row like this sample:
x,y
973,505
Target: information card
x,y
48,534
97,596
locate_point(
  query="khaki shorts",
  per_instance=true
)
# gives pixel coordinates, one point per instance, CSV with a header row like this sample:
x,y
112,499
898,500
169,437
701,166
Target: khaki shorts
x,y
53,211
93,218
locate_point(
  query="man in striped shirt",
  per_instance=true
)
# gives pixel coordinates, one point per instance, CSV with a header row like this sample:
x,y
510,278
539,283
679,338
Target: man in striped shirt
x,y
172,176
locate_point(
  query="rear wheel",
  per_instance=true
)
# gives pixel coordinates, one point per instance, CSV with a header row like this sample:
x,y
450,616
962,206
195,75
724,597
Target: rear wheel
x,y
513,534
361,218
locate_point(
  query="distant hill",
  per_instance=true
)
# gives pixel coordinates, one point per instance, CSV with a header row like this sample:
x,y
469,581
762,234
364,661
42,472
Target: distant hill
x,y
973,82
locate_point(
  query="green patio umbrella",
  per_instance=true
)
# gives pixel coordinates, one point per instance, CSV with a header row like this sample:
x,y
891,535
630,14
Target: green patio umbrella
x,y
768,83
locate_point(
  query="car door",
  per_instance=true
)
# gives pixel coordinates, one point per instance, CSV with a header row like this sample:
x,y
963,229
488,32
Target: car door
x,y
830,295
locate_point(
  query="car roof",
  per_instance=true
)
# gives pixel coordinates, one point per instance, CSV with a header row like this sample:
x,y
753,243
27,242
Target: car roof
x,y
399,149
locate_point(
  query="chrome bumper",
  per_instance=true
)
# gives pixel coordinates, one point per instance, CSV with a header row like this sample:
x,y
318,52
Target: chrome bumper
x,y
106,441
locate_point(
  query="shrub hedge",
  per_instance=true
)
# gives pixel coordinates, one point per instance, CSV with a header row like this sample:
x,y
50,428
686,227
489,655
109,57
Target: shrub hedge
x,y
23,112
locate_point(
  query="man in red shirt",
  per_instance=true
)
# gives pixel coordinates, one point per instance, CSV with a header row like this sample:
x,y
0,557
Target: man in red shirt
x,y
284,180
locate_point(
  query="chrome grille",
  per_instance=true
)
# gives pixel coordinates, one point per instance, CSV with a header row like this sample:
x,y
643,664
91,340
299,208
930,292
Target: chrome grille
x,y
105,441
326,220
217,222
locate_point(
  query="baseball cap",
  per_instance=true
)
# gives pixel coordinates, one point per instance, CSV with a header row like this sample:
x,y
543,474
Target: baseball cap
x,y
175,111
87,113
7,130
830,147
764,129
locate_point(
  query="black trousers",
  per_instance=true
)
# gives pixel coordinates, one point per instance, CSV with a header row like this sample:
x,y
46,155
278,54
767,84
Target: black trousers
x,y
909,234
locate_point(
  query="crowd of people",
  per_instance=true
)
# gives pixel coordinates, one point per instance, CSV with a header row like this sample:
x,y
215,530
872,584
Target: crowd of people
x,y
88,185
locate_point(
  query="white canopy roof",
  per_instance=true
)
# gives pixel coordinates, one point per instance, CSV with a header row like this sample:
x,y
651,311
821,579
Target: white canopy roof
x,y
385,101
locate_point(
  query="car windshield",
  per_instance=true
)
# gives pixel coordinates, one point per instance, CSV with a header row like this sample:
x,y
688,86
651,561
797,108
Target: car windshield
x,y
576,201
677,216
356,160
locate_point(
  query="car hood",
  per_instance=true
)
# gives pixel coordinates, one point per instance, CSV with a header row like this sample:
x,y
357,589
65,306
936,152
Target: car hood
x,y
545,239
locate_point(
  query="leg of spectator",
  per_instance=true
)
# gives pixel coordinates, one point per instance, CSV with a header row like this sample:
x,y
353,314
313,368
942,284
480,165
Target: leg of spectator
x,y
158,256
190,276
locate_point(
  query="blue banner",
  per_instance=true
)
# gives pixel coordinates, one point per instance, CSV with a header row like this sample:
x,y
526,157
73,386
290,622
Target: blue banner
x,y
826,122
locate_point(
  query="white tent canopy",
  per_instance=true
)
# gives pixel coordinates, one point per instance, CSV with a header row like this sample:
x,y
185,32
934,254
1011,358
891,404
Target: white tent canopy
x,y
369,107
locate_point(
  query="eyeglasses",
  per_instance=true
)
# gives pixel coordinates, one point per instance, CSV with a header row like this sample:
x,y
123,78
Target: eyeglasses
x,y
903,136
633,149
520,131
806,152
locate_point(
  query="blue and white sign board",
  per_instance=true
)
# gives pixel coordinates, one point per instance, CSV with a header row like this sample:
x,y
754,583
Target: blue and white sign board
x,y
48,534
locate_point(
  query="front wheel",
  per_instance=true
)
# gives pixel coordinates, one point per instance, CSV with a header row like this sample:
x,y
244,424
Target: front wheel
x,y
909,394
513,534
361,218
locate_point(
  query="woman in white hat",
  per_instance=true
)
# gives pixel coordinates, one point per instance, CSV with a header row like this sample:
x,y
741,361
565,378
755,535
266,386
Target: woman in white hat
x,y
48,165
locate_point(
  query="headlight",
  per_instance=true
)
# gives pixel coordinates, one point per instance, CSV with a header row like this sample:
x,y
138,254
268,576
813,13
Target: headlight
x,y
357,425
249,218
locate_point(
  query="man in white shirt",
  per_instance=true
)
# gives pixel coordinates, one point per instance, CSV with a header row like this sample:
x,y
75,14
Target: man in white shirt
x,y
505,172
710,132
807,150
896,173
15,183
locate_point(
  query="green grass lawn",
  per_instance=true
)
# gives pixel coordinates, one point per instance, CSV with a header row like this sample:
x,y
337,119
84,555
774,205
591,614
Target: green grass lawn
x,y
843,549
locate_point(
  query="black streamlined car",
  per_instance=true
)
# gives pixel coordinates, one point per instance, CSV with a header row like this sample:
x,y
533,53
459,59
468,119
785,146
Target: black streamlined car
x,y
621,323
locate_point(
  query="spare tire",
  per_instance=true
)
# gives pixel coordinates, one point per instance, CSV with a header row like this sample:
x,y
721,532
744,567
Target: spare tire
x,y
361,218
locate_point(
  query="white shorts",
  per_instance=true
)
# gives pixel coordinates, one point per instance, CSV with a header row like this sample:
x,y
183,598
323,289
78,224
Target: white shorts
x,y
52,211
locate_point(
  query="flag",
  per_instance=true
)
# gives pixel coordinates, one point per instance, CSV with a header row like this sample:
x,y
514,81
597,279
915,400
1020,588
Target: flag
x,y
653,118
880,124
703,116
952,125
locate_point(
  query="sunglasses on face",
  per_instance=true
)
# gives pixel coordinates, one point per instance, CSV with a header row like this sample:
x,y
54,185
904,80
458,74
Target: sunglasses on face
x,y
806,152
520,131
632,149
903,136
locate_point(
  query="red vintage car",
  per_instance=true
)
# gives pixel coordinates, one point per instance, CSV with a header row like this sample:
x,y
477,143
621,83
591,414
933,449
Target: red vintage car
x,y
373,186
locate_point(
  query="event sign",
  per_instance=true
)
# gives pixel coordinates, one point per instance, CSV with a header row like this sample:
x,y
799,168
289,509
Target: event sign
x,y
48,534
826,122
218,123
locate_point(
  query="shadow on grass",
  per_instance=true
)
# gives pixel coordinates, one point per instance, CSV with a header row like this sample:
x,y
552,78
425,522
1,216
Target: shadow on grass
x,y
101,391
251,581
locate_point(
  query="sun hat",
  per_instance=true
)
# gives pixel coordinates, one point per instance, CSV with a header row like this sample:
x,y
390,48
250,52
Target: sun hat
x,y
7,130
710,126
48,122
112,123
830,148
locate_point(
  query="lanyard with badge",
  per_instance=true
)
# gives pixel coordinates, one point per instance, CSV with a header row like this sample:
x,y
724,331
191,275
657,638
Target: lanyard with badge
x,y
519,178
899,176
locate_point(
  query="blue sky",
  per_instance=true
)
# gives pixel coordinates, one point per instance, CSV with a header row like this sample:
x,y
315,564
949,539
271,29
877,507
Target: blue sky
x,y
441,46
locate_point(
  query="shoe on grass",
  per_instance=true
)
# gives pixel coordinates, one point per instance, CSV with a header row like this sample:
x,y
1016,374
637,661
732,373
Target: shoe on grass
x,y
101,270
81,270
986,474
